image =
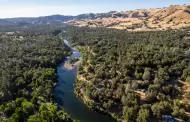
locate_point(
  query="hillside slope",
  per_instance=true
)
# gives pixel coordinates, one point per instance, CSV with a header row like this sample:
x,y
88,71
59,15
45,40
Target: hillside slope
x,y
174,17
4,22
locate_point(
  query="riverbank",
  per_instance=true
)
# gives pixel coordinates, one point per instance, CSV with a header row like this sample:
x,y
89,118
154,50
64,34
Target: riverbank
x,y
64,92
70,66
84,85
93,105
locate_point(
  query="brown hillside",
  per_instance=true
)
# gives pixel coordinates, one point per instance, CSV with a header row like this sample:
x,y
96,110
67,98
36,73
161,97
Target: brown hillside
x,y
173,17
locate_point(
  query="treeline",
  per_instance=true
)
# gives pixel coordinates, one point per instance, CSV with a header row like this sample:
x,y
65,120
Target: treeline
x,y
28,76
137,76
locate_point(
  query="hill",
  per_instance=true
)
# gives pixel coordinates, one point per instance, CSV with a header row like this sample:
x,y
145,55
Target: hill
x,y
174,17
43,19
4,22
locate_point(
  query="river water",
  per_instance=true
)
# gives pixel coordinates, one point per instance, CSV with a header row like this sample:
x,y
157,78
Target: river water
x,y
65,97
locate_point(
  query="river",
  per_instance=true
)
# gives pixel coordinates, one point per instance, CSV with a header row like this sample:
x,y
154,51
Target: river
x,y
65,97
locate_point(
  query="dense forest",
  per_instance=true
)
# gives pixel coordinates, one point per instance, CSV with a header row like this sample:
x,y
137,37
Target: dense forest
x,y
29,58
135,76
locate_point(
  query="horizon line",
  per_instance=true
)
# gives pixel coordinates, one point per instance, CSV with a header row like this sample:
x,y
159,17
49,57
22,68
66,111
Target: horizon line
x,y
74,15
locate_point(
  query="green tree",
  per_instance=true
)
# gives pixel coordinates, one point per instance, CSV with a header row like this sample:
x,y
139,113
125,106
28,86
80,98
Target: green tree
x,y
147,74
157,110
34,118
180,113
186,73
28,107
130,113
143,115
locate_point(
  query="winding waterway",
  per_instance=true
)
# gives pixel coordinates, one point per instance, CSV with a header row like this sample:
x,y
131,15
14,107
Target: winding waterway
x,y
65,97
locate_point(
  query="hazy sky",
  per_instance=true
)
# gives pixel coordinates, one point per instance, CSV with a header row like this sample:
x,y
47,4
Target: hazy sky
x,y
33,8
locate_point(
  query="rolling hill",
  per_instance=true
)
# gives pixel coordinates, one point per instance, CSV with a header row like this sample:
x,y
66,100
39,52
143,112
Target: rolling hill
x,y
5,22
172,17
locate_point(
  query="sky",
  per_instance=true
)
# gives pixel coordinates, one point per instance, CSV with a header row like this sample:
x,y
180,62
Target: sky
x,y
35,8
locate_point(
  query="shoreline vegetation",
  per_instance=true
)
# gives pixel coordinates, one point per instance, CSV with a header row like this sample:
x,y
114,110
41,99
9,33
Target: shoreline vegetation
x,y
80,92
72,63
140,92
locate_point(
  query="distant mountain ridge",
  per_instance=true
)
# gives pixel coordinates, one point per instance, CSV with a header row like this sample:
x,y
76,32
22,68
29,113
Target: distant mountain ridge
x,y
5,22
42,20
174,16
59,18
